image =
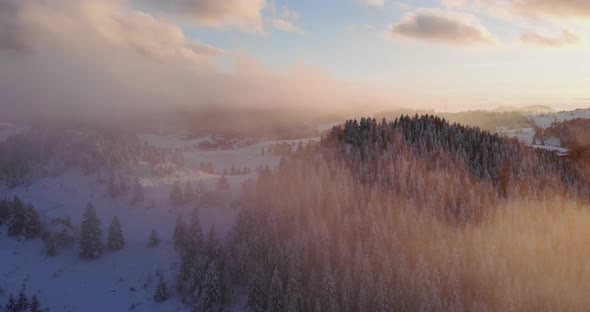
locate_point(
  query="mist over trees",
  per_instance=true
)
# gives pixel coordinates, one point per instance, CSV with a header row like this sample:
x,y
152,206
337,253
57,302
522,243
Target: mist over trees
x,y
385,216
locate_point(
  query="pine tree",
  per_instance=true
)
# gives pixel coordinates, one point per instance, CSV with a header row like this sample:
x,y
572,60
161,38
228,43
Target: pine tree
x,y
213,245
4,210
195,234
381,301
161,292
189,193
179,234
276,298
51,246
222,184
256,294
22,303
211,297
176,195
115,240
201,188
90,236
329,297
35,304
153,239
32,222
113,186
11,304
138,195
16,217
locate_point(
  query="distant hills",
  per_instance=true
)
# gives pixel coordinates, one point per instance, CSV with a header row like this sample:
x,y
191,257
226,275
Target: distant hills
x,y
525,109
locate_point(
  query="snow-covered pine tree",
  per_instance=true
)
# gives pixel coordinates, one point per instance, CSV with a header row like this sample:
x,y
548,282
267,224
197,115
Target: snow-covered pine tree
x,y
33,226
329,296
213,246
90,236
222,184
211,297
188,194
51,246
138,194
381,301
11,304
276,298
346,291
161,292
179,236
35,304
153,239
16,217
23,302
256,293
176,195
4,209
115,239
201,189
113,187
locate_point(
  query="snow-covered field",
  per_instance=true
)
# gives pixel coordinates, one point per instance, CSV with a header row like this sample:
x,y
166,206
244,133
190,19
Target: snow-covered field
x,y
7,130
120,280
526,135
545,120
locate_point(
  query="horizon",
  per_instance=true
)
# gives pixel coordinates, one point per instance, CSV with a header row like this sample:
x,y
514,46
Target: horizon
x,y
103,57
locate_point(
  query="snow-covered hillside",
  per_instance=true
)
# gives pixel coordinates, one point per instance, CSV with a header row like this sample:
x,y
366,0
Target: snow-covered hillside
x,y
121,280
545,120
7,130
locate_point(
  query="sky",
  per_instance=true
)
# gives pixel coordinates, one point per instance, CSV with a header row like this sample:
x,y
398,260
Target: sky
x,y
95,56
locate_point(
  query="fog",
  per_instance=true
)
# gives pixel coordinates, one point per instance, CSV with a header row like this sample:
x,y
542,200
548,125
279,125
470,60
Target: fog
x,y
99,59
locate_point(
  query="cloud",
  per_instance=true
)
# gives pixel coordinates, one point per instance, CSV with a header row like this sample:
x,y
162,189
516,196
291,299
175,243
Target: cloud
x,y
98,59
549,9
375,3
454,3
287,21
11,38
564,39
577,9
244,14
440,26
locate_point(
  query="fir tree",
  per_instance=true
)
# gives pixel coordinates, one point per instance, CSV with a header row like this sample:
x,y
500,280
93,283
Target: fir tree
x,y
329,297
16,218
22,303
90,236
256,294
176,195
189,193
11,304
179,234
51,246
276,298
35,304
153,239
161,292
211,296
4,210
381,302
138,195
222,184
115,240
201,189
32,222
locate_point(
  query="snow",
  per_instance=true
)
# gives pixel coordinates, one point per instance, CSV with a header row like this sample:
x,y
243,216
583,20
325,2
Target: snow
x,y
103,284
7,130
559,150
545,120
121,279
172,141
